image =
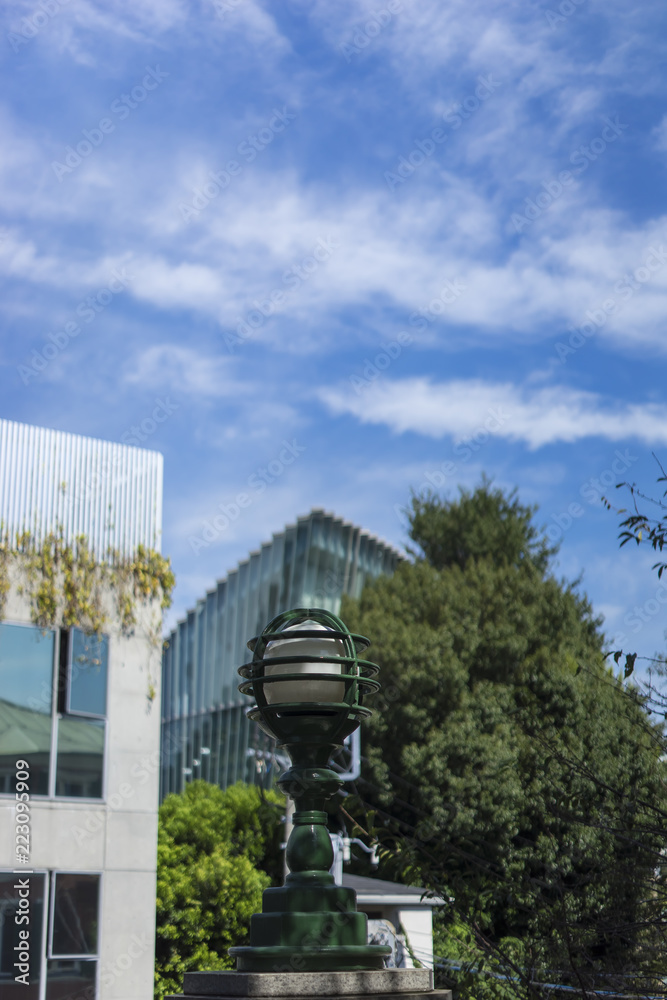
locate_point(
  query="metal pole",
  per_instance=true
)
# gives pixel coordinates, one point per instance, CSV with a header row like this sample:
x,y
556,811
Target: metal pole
x,y
289,825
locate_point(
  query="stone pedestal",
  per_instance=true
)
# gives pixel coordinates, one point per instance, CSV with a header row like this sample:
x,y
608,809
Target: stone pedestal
x,y
384,984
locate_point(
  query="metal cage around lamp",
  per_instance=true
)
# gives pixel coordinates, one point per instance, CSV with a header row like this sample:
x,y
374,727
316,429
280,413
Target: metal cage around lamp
x,y
309,685
324,656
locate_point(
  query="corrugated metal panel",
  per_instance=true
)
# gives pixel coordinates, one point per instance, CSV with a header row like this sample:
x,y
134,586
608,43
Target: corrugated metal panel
x,y
52,481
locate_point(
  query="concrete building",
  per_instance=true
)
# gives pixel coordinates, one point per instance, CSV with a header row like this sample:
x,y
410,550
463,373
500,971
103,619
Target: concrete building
x,y
79,730
398,915
205,733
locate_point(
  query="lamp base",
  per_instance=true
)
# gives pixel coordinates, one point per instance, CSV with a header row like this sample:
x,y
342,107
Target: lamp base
x,y
290,959
388,984
309,925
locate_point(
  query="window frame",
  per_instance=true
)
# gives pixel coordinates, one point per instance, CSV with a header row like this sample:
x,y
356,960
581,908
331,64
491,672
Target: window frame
x,y
56,716
54,705
53,873
41,992
105,756
68,678
47,924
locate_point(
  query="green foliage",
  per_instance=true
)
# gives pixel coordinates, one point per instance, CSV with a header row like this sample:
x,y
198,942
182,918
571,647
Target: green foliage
x,y
509,768
5,557
204,906
640,527
467,967
645,529
484,524
242,816
217,852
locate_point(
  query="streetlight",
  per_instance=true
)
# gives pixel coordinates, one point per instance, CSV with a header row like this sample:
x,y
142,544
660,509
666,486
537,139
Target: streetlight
x,y
309,685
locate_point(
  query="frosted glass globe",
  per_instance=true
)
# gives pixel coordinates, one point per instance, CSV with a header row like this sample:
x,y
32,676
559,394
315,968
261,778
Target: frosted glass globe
x,y
304,690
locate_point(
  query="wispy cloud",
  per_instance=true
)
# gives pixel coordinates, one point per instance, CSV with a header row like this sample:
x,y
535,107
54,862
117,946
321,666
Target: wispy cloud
x,y
195,373
584,283
460,408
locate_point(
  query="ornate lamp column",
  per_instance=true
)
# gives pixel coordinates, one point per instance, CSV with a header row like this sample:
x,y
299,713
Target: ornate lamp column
x,y
309,685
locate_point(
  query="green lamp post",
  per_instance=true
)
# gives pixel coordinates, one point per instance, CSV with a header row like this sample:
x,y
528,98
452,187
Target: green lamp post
x,y
309,685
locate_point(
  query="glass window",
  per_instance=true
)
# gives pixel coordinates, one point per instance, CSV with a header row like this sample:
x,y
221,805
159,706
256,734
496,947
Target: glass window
x,y
11,909
208,699
88,673
75,915
230,663
80,758
70,979
71,943
200,657
219,646
26,695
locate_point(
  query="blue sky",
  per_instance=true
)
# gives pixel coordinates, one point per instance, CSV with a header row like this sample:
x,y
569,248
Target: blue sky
x,y
320,253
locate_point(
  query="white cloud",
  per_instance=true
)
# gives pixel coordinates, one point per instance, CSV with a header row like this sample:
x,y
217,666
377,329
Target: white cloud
x,y
249,18
182,368
393,254
75,28
204,379
396,248
464,409
20,258
191,285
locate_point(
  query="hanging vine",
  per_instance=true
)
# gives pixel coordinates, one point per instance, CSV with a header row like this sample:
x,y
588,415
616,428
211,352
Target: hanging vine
x,y
4,574
66,582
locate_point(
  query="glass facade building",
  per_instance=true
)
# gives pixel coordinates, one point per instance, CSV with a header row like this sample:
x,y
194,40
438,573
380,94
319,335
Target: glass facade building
x,y
205,733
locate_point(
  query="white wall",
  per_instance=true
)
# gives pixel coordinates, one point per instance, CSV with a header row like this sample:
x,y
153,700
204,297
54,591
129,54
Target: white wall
x,y
417,922
117,836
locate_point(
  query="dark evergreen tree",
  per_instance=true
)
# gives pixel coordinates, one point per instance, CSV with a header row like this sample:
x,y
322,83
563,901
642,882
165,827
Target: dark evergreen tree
x,y
508,768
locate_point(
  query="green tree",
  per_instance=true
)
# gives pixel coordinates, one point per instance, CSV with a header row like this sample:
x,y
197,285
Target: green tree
x,y
217,852
515,773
